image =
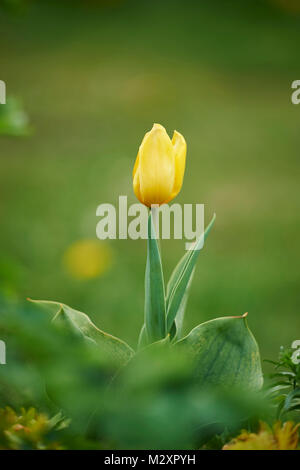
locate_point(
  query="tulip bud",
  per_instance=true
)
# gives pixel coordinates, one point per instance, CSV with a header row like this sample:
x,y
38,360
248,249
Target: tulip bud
x,y
159,167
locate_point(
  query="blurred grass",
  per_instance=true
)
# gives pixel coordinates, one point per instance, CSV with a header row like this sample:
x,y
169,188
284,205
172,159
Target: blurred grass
x,y
93,79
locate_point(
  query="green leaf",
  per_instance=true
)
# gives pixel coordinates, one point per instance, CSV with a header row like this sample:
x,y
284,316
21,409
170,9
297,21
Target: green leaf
x,y
80,324
143,338
177,327
290,375
155,308
290,401
276,389
181,276
224,352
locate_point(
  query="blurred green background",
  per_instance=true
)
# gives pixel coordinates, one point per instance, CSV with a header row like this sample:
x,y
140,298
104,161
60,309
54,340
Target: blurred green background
x,y
93,77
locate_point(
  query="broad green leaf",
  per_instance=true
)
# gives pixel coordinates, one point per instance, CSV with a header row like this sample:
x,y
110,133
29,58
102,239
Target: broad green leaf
x,y
181,276
81,324
157,344
143,338
177,327
144,343
176,274
224,352
155,309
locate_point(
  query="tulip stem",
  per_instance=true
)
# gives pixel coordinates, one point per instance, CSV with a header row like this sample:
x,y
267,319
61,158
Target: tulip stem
x,y
155,218
155,300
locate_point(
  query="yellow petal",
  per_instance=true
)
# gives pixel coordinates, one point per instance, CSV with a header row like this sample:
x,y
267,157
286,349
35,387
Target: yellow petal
x,y
136,178
137,161
156,166
286,435
179,146
136,165
136,181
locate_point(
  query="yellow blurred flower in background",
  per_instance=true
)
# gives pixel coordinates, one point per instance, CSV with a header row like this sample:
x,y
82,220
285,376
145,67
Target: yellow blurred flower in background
x,y
159,167
87,259
279,437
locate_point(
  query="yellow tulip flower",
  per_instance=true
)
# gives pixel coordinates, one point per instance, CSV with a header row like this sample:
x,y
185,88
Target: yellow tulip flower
x,y
159,167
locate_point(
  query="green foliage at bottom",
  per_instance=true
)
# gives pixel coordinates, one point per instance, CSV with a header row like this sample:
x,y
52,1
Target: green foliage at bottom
x,y
155,401
29,429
